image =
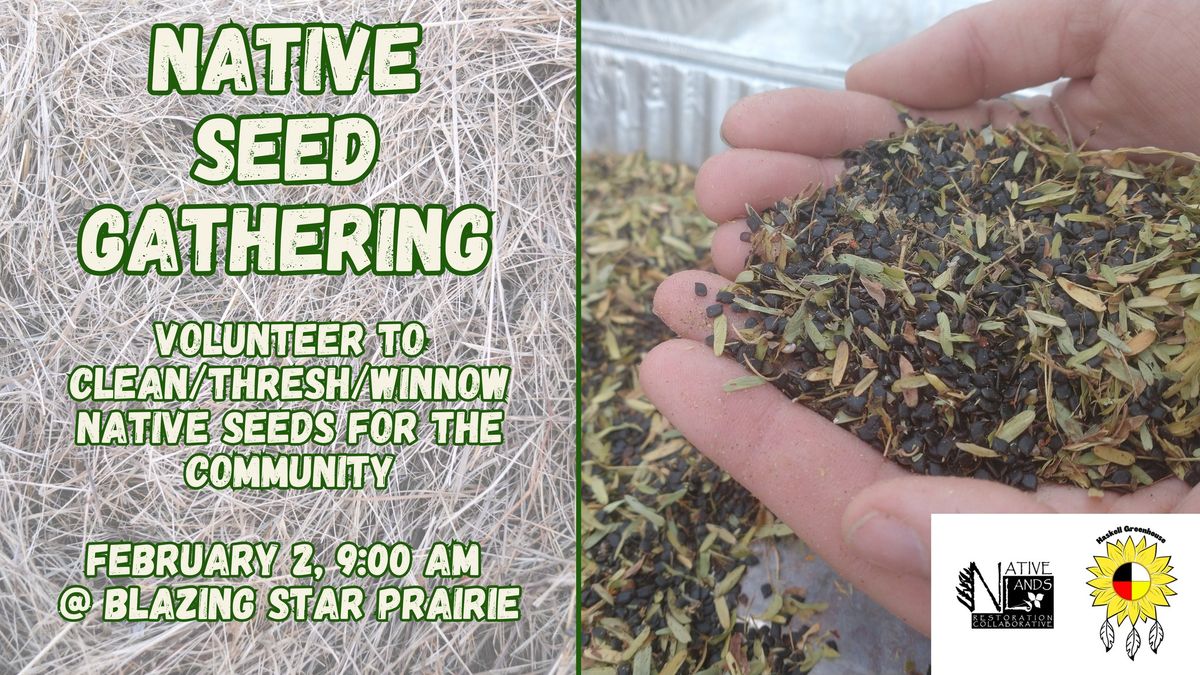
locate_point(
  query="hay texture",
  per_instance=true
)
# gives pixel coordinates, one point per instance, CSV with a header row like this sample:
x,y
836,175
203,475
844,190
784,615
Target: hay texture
x,y
493,125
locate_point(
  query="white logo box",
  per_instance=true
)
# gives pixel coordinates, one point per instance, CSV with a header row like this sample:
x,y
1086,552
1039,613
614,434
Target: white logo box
x,y
1068,544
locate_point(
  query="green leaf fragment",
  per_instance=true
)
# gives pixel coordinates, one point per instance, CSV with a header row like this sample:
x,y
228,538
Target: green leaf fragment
x,y
743,382
720,330
1015,426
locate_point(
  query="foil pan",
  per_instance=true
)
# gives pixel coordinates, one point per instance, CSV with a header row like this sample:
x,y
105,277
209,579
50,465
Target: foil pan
x,y
658,76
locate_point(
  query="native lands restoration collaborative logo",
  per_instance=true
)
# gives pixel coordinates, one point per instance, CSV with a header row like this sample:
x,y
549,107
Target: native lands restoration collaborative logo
x,y
1023,595
1131,581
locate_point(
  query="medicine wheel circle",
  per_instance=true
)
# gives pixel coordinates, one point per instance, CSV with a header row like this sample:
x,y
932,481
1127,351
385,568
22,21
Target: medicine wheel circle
x,y
1131,581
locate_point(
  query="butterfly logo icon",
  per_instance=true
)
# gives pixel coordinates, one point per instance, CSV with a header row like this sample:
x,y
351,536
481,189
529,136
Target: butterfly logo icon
x,y
1032,601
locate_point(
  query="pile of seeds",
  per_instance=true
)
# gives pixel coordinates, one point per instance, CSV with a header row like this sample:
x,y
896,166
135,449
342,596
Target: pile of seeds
x,y
666,535
986,303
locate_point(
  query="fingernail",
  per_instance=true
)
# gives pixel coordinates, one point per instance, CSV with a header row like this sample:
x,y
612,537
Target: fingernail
x,y
889,543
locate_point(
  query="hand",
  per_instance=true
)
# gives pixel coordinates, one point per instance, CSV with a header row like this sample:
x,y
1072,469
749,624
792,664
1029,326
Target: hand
x,y
1131,85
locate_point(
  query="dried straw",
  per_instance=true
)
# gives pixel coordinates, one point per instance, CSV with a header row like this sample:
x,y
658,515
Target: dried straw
x,y
493,124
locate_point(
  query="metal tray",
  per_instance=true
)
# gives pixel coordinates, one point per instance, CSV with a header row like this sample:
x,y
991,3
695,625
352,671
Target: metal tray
x,y
658,76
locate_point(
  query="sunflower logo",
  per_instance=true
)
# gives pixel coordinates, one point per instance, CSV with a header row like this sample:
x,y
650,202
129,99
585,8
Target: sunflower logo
x,y
1132,582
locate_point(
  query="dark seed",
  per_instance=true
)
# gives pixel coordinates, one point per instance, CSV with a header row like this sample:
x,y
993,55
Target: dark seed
x,y
855,404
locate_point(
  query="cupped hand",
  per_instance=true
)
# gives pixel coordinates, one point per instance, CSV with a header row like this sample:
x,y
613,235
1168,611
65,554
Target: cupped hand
x,y
1131,84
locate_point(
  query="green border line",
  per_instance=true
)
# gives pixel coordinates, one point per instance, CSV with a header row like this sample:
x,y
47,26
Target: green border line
x,y
578,347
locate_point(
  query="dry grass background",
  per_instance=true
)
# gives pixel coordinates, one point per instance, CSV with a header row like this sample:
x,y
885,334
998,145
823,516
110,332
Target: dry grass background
x,y
493,124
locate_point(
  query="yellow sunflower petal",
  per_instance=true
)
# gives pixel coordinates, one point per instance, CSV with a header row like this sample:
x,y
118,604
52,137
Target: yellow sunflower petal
x,y
1159,564
1131,611
1114,552
1156,596
1147,608
1146,555
1128,550
1161,578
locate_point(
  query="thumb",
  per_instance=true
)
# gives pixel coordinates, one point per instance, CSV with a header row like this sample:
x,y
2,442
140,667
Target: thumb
x,y
988,50
888,523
